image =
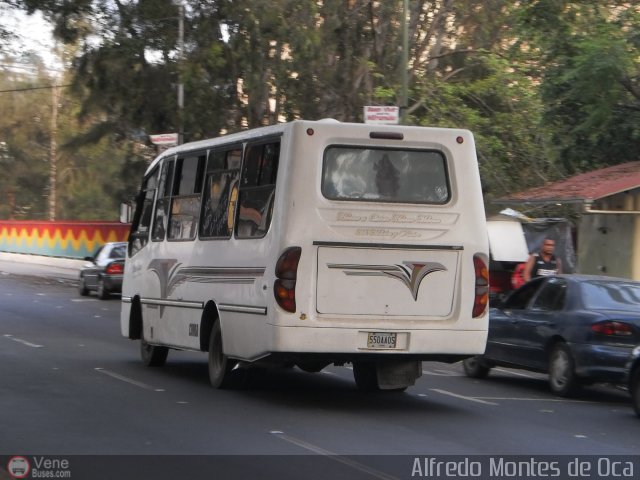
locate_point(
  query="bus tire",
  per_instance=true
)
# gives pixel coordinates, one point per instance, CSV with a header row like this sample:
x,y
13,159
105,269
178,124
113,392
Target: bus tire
x,y
366,376
153,355
220,368
312,367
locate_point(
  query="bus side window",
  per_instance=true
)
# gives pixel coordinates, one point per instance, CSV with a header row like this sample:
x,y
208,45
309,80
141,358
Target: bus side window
x,y
164,197
223,170
142,218
185,202
257,189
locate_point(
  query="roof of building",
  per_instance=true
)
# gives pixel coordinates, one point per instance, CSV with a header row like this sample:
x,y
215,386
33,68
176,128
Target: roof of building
x,y
582,188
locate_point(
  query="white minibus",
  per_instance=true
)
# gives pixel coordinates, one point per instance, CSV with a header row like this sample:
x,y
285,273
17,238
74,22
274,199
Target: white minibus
x,y
311,243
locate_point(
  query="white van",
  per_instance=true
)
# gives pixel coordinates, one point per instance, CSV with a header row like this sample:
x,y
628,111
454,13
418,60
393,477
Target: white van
x,y
312,243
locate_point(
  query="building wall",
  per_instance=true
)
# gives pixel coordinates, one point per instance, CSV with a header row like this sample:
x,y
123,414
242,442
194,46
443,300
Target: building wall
x,y
59,239
606,245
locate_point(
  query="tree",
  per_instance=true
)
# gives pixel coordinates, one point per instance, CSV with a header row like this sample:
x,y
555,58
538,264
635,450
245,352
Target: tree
x,y
548,87
589,83
24,136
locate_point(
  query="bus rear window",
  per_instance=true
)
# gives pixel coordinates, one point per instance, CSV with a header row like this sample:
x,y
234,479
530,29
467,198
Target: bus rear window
x,y
385,175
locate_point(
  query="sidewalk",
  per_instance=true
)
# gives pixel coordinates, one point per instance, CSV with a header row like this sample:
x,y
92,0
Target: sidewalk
x,y
63,269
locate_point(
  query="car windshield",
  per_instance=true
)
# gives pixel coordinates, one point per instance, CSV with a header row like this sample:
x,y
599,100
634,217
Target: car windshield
x,y
613,295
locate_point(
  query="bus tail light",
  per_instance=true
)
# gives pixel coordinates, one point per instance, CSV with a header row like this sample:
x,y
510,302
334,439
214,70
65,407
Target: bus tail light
x,y
481,296
284,287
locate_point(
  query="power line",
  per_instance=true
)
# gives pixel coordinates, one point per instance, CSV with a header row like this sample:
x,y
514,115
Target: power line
x,y
48,87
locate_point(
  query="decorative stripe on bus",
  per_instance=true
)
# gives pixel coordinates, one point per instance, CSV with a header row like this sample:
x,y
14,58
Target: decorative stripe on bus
x,y
388,245
222,271
228,275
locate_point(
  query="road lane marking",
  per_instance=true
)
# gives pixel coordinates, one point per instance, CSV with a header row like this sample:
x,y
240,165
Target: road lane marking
x,y
541,399
463,397
23,342
441,373
131,381
333,456
519,374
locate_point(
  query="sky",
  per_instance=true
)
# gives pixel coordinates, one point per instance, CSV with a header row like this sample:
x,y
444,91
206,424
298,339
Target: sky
x,y
32,32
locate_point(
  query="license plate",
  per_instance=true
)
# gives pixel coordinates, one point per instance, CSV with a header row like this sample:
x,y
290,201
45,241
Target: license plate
x,y
381,339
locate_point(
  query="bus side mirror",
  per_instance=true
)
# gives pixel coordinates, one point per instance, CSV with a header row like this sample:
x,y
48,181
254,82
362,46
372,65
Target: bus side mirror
x,y
125,213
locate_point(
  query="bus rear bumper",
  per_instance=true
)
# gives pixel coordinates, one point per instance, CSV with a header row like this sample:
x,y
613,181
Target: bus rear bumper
x,y
420,344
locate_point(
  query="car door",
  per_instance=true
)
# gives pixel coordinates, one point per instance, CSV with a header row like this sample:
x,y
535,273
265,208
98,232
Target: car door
x,y
92,269
503,342
540,321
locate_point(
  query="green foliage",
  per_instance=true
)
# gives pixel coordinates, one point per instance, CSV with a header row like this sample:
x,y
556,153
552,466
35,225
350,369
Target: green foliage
x,y
24,140
548,87
588,73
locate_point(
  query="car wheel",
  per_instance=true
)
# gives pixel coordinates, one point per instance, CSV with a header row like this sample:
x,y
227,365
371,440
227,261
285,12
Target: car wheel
x,y
102,291
82,288
153,355
221,369
475,367
562,376
635,391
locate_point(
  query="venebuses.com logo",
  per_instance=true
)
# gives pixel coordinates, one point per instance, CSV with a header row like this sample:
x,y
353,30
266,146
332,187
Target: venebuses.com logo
x,y
18,467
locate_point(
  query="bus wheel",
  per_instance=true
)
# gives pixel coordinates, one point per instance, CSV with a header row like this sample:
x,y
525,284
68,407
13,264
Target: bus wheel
x,y
312,367
220,368
474,367
153,355
366,376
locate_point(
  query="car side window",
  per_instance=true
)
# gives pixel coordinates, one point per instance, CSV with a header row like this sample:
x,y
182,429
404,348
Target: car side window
x,y
552,296
519,299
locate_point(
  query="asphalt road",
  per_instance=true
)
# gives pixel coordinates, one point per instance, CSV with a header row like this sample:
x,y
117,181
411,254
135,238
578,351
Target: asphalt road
x,y
71,385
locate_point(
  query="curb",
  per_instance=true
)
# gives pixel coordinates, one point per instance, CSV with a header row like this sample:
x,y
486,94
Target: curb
x,y
59,262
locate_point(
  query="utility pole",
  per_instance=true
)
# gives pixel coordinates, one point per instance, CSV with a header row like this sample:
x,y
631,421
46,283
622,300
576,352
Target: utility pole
x,y
53,152
404,64
180,66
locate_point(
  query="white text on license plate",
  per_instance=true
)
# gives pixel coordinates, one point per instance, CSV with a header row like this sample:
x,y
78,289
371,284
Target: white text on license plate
x,y
381,339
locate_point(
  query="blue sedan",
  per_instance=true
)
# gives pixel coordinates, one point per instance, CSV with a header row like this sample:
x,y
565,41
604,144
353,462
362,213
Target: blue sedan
x,y
634,379
579,329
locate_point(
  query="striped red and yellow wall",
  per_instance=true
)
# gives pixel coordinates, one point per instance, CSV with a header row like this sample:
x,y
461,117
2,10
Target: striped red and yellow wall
x,y
68,239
